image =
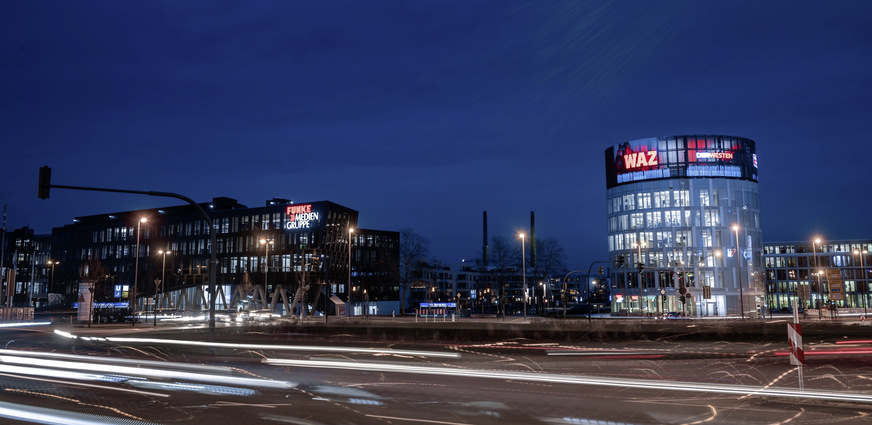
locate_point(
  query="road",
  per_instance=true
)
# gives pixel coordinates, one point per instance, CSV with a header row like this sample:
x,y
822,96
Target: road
x,y
115,375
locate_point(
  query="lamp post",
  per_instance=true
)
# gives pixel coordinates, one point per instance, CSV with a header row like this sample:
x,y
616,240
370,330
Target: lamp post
x,y
639,245
862,255
814,253
136,272
524,271
266,244
350,232
820,289
51,280
703,262
163,282
739,267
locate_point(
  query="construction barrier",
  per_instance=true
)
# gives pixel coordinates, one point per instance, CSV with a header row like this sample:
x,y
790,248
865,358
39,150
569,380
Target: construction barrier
x,y
16,313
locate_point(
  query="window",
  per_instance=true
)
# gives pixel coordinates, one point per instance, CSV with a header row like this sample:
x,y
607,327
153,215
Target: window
x,y
706,237
680,198
644,201
629,203
637,221
672,218
661,199
712,218
653,219
704,199
623,222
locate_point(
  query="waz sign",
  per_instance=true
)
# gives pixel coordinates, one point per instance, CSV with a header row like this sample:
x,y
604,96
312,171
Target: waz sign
x,y
634,160
301,217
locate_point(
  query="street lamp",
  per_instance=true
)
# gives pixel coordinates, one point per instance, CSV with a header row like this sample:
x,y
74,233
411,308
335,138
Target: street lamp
x,y
862,255
136,272
163,282
524,271
699,279
266,244
51,280
350,232
814,253
739,266
639,245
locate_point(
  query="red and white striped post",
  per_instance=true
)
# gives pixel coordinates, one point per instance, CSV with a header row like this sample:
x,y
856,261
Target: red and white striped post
x,y
794,338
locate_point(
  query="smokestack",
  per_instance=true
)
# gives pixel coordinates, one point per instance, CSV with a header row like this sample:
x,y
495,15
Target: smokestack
x,y
533,240
484,246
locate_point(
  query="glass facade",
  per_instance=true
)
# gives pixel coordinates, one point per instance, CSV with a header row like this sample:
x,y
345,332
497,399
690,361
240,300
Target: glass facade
x,y
684,227
810,272
263,253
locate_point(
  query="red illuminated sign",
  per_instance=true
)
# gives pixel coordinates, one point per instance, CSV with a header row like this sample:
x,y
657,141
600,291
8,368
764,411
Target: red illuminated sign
x,y
640,159
293,210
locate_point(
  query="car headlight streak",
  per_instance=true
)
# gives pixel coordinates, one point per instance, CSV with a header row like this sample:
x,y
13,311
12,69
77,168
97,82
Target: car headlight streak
x,y
581,380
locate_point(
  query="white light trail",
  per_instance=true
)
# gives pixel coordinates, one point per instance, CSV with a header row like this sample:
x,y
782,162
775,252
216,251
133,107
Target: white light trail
x,y
8,361
112,360
581,380
316,348
41,415
23,324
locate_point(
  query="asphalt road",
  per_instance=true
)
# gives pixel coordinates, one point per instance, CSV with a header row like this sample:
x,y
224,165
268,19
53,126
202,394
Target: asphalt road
x,y
264,375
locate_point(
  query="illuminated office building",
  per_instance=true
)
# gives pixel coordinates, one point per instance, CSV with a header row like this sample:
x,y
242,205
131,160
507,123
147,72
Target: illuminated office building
x,y
684,226
817,272
283,253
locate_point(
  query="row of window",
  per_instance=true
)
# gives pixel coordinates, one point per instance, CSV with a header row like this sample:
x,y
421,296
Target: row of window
x,y
810,261
668,218
817,248
660,199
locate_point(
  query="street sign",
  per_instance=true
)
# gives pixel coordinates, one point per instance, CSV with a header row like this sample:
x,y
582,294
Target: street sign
x,y
834,278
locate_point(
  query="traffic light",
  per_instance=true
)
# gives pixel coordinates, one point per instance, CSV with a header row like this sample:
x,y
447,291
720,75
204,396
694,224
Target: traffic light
x,y
601,270
44,182
641,266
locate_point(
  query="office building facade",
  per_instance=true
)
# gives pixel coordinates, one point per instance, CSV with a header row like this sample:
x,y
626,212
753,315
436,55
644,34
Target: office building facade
x,y
283,254
684,226
817,273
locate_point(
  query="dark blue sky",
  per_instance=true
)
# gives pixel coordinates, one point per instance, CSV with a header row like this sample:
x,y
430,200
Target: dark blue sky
x,y
423,114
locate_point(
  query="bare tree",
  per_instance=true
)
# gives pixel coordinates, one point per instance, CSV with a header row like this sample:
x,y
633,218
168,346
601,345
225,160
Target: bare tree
x,y
550,258
93,269
503,256
414,248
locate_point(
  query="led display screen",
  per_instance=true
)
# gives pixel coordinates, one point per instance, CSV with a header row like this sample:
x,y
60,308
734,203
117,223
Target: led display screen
x,y
681,157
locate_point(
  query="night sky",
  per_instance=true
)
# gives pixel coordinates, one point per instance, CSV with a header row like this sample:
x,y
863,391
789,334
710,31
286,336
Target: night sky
x,y
423,114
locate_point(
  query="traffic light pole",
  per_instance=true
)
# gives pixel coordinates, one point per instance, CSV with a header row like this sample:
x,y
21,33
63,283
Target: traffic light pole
x,y
588,285
43,193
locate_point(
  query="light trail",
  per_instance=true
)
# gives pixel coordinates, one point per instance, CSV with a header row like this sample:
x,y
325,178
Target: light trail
x,y
9,361
836,352
23,324
112,360
33,377
212,344
744,390
42,415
